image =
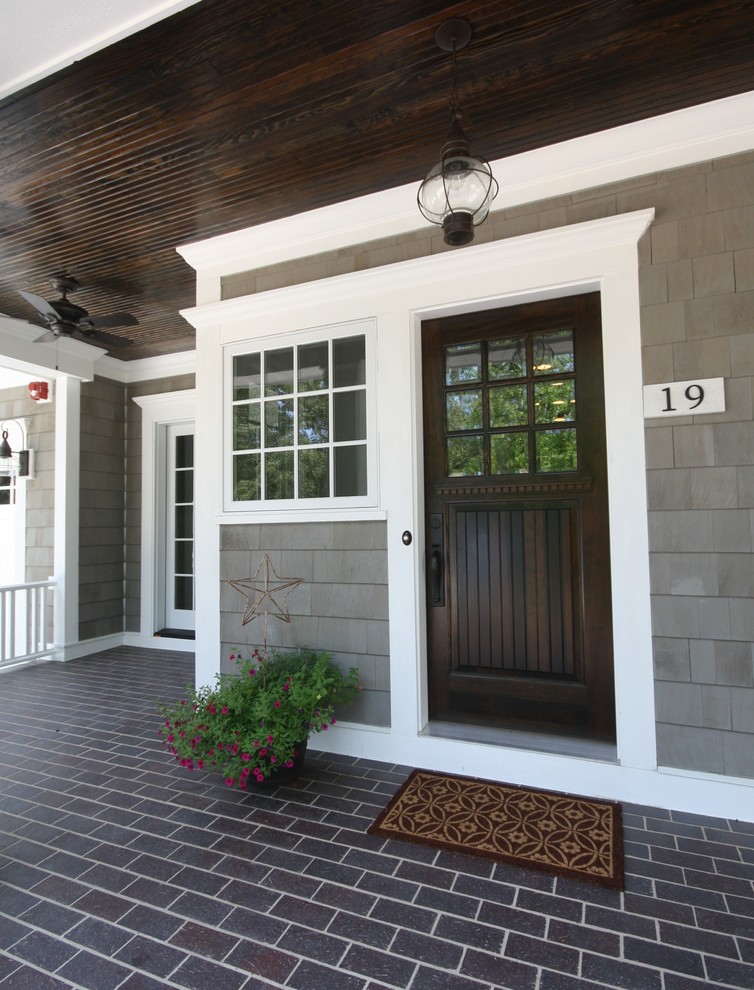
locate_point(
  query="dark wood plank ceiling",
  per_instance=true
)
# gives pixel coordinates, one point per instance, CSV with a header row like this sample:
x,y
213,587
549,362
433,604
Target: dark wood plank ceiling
x,y
233,113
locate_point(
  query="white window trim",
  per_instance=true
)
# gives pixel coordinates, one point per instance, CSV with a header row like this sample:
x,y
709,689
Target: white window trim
x,y
282,507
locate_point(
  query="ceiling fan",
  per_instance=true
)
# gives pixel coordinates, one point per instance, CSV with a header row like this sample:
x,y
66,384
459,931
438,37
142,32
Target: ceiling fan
x,y
66,319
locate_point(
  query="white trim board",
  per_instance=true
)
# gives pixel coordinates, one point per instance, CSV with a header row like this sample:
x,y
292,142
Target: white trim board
x,y
711,130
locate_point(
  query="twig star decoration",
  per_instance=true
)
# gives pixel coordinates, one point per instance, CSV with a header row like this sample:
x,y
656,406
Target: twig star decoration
x,y
259,589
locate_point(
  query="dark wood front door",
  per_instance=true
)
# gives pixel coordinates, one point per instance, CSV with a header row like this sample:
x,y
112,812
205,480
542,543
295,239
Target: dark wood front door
x,y
518,567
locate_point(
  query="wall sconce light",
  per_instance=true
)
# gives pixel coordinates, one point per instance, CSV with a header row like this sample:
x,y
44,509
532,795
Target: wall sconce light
x,y
458,191
20,464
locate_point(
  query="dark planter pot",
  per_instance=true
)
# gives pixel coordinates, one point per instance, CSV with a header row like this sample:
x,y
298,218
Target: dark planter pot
x,y
281,775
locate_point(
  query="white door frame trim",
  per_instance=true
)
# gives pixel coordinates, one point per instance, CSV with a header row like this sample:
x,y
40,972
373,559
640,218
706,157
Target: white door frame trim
x,y
158,411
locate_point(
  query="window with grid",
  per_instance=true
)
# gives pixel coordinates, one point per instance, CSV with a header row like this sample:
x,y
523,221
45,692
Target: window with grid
x,y
299,415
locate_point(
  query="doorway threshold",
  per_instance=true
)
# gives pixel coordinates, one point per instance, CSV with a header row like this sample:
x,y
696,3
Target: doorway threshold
x,y
176,633
536,742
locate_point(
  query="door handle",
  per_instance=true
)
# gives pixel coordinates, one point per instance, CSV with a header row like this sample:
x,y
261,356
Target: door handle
x,y
436,567
437,558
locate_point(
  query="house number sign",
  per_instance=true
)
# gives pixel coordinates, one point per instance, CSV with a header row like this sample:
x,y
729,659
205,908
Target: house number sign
x,y
694,398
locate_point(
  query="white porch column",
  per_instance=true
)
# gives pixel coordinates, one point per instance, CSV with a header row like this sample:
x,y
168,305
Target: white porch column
x,y
66,513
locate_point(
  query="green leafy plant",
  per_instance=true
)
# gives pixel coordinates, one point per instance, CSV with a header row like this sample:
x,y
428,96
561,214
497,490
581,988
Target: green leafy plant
x,y
253,722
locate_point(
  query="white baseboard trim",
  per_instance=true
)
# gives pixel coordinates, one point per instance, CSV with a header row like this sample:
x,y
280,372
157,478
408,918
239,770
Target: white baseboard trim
x,y
668,788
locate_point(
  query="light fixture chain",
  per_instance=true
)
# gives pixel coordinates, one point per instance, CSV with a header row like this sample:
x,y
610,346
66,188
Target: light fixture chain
x,y
455,107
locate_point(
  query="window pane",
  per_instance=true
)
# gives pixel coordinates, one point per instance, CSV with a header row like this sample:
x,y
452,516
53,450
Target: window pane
x,y
555,402
184,521
184,555
278,372
312,367
278,474
506,358
184,593
465,456
247,434
556,450
463,410
278,423
349,416
184,451
509,453
508,406
314,419
246,376
351,470
463,363
247,486
184,486
553,352
314,473
349,365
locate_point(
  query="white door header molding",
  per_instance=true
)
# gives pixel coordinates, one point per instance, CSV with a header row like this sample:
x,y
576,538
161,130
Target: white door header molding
x,y
503,258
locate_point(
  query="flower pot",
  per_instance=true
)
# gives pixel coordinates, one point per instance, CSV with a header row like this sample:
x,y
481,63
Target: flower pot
x,y
282,774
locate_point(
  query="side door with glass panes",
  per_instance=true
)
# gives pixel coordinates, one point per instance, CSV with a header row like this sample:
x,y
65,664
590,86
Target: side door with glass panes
x,y
518,567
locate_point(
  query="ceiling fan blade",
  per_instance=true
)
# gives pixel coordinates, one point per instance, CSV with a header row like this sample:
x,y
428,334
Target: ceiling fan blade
x,y
46,309
46,337
113,320
103,338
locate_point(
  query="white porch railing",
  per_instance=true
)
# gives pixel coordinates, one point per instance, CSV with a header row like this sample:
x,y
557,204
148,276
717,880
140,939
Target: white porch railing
x,y
24,622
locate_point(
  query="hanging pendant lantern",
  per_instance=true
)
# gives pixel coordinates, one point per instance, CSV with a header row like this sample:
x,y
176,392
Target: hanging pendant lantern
x,y
458,191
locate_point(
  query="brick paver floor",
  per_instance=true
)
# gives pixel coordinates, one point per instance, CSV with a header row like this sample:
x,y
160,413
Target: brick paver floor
x,y
118,869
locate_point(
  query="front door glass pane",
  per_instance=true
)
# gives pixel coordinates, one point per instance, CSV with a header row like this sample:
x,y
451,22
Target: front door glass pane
x,y
506,358
463,363
509,453
465,457
555,450
555,402
552,353
463,410
508,406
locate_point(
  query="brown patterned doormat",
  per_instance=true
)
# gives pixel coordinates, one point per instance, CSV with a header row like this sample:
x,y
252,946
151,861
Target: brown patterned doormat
x,y
570,836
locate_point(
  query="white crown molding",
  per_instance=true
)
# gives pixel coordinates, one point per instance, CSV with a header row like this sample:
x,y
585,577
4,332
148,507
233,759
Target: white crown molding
x,y
711,130
21,349
148,369
625,228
